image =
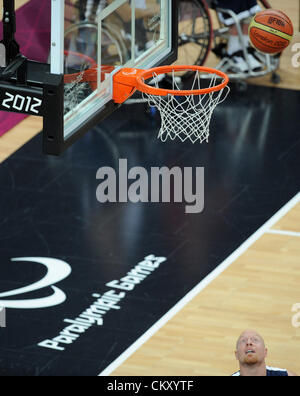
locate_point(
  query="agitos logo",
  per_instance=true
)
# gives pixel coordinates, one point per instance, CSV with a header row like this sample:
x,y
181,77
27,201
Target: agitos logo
x,y
58,270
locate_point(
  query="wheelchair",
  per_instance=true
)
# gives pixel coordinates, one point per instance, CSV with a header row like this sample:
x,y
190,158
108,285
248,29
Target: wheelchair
x,y
201,31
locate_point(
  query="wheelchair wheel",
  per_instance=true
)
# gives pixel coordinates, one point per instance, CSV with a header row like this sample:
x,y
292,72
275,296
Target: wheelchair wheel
x,y
265,4
195,33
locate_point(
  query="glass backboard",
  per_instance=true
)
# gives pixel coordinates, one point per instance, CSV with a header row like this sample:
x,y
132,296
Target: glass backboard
x,y
105,35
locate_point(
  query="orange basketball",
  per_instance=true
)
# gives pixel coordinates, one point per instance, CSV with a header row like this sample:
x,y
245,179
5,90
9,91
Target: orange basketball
x,y
270,31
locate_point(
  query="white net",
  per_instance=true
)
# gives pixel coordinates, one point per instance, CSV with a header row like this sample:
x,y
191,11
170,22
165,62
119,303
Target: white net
x,y
74,93
187,117
76,89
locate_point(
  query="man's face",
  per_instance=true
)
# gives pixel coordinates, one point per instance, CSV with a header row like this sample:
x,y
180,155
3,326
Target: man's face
x,y
250,348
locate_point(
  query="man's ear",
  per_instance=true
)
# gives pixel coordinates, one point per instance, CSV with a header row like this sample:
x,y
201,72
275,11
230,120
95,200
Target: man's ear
x,y
266,352
236,355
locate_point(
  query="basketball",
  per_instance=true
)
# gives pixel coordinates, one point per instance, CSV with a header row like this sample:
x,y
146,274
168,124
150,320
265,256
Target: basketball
x,y
270,31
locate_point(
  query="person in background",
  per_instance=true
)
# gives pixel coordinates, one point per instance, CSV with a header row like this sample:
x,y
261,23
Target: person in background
x,y
245,10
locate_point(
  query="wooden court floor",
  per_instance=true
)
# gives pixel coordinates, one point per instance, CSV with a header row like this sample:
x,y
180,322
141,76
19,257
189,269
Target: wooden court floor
x,y
258,289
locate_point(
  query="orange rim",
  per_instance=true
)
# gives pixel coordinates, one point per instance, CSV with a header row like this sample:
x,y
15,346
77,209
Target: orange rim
x,y
69,78
90,75
143,87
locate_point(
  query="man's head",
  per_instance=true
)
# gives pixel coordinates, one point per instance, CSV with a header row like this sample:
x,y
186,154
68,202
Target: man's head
x,y
250,348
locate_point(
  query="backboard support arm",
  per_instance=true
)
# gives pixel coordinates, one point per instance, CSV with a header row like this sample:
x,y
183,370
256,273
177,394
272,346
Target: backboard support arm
x,y
28,87
12,48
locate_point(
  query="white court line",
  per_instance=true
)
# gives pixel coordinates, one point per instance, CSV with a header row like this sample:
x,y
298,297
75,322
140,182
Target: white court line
x,y
202,285
281,232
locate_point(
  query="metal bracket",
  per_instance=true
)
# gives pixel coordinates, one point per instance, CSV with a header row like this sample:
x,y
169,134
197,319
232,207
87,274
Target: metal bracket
x,y
12,48
17,67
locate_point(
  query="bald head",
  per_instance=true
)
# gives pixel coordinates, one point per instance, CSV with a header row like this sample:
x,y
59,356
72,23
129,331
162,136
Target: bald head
x,y
250,348
249,334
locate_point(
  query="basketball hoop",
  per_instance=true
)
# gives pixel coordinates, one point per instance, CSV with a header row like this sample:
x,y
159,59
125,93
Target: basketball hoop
x,y
185,114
